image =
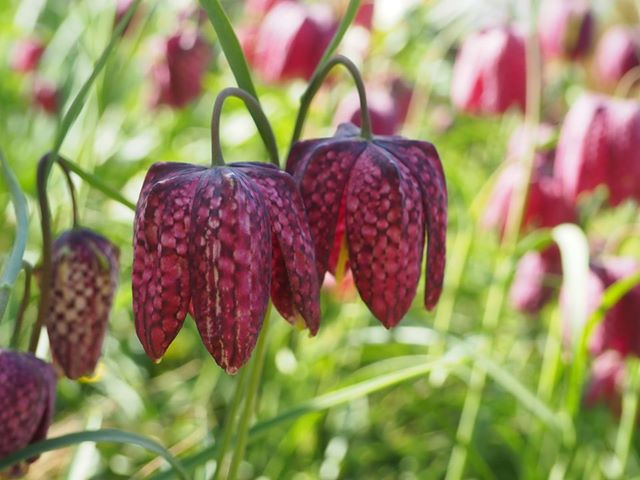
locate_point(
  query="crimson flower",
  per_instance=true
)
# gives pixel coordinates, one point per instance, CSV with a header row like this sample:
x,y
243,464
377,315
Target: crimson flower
x,y
618,51
27,403
220,240
533,284
26,55
83,282
606,381
46,96
379,196
565,28
489,75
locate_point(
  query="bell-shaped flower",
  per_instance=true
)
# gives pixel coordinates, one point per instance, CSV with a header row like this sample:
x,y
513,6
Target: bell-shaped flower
x,y
220,240
565,28
83,282
536,277
618,52
27,403
375,199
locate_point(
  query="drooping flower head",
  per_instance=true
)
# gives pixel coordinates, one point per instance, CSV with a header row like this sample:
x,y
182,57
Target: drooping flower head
x,y
218,242
489,75
565,28
536,275
378,196
83,282
618,51
27,402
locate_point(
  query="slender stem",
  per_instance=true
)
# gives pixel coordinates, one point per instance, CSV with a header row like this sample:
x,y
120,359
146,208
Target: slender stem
x,y
229,422
24,303
258,117
72,189
313,87
252,389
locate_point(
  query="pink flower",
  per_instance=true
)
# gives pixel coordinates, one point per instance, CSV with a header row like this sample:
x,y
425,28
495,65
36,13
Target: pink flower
x,y
618,51
26,55
606,382
565,28
533,283
489,75
46,96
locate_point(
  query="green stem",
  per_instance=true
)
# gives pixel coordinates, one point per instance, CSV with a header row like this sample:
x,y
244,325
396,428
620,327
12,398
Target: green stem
x,y
628,417
14,262
24,303
313,87
229,422
258,116
252,389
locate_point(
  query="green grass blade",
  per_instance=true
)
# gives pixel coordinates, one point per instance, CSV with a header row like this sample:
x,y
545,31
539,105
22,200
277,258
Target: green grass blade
x,y
104,435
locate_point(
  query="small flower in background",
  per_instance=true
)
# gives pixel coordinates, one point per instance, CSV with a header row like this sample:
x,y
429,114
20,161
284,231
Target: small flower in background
x,y
619,329
27,403
606,381
536,277
598,146
364,15
177,75
617,52
388,107
383,194
489,74
291,40
46,96
545,205
84,280
222,240
565,28
26,55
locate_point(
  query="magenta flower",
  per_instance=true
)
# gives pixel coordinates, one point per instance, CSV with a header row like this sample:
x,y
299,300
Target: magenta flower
x,y
27,403
26,55
565,28
598,146
606,382
46,96
536,275
618,51
382,110
489,75
291,40
379,196
83,282
177,77
220,239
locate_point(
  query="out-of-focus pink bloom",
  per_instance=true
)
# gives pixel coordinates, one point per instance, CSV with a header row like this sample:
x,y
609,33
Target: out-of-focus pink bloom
x,y
46,95
291,40
26,55
619,329
248,36
382,110
401,92
533,284
598,145
489,75
259,8
565,28
606,382
364,15
177,77
618,51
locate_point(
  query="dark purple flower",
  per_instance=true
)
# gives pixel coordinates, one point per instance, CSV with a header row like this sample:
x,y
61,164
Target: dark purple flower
x,y
383,194
489,75
83,282
222,239
26,55
565,28
27,403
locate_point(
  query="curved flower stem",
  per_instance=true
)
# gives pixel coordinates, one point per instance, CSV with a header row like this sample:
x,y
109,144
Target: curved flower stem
x,y
229,422
258,116
314,85
72,189
24,303
252,389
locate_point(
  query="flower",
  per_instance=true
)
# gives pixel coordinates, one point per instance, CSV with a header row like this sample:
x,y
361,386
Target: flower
x,y
291,40
26,55
565,28
177,76
532,285
45,96
27,403
616,54
489,74
220,239
83,282
598,146
378,197
619,329
606,382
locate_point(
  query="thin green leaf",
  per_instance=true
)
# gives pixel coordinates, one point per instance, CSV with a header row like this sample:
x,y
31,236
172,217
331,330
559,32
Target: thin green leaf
x,y
14,263
103,435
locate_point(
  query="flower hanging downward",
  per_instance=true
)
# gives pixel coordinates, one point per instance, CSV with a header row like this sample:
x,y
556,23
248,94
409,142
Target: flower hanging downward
x,y
220,240
383,194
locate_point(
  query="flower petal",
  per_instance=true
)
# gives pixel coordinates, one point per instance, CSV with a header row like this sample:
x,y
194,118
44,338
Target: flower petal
x,y
294,288
421,158
230,265
160,274
385,234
